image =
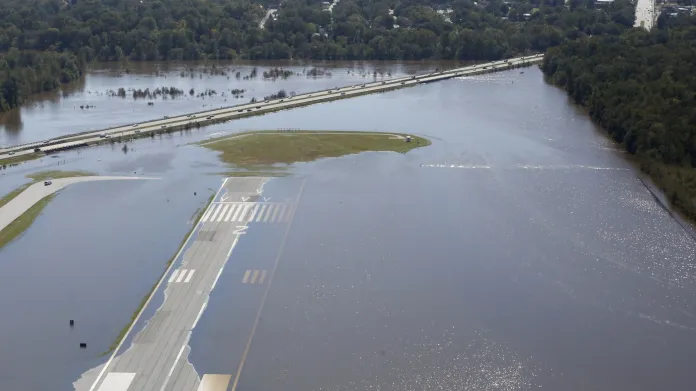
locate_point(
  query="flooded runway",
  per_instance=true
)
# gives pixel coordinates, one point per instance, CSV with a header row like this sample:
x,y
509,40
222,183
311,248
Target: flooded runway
x,y
519,251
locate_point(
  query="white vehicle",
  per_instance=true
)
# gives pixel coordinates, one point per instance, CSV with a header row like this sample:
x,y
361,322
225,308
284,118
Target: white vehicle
x,y
103,135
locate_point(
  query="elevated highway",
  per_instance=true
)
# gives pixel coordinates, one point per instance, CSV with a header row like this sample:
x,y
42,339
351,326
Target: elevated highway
x,y
203,118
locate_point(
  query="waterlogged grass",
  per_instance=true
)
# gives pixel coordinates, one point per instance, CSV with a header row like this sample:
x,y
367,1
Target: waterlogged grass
x,y
143,302
56,174
20,158
267,148
40,177
21,223
24,221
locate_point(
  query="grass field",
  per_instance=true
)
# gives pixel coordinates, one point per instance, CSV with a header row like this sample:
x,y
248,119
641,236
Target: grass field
x,y
265,148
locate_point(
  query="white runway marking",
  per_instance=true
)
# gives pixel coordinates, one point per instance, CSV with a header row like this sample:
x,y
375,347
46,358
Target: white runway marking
x,y
178,357
254,277
200,313
253,212
268,214
275,213
214,382
217,209
207,214
263,209
229,214
244,212
182,274
117,381
234,218
222,214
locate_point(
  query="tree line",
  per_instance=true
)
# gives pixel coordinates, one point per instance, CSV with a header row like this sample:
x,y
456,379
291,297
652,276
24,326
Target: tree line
x,y
640,87
108,30
81,31
23,73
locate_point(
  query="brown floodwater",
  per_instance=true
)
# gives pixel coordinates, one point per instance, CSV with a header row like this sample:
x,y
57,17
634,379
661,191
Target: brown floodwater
x,y
93,102
519,251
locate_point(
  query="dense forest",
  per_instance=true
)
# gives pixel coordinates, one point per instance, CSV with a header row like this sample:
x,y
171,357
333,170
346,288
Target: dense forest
x,y
26,72
109,30
641,88
45,42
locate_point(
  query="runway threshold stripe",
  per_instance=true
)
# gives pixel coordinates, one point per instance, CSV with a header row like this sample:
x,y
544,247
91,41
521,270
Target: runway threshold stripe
x,y
275,213
222,214
229,214
207,214
117,381
263,209
254,276
242,213
269,213
246,277
234,218
253,212
190,274
182,274
217,209
263,276
214,382
173,276
246,212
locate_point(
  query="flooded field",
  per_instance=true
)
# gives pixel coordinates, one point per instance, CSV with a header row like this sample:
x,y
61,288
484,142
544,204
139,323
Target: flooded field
x,y
518,252
112,95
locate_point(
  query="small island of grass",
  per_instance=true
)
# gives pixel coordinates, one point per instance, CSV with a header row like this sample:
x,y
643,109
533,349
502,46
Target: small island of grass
x,y
266,148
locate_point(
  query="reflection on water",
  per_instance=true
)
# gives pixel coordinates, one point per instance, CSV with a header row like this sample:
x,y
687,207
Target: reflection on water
x,y
517,252
11,122
93,102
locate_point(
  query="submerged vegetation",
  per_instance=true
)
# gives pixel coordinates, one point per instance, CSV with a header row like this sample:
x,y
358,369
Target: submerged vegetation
x,y
48,42
640,88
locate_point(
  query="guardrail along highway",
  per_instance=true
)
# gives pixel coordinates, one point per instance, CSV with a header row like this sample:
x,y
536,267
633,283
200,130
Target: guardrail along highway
x,y
203,118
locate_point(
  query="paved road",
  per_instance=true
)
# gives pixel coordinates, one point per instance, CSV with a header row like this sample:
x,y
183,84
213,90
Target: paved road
x,y
157,359
645,14
34,193
269,13
244,110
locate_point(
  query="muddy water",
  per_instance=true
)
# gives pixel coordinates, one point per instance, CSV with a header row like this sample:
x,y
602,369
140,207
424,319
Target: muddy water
x,y
518,252
93,103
